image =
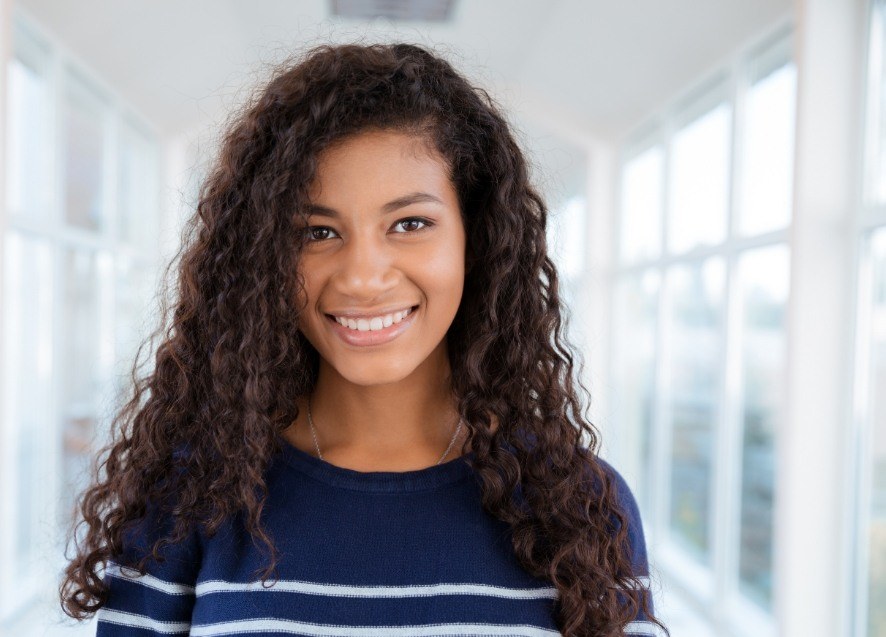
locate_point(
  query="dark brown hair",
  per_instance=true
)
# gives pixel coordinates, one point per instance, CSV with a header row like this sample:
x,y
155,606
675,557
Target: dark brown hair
x,y
198,432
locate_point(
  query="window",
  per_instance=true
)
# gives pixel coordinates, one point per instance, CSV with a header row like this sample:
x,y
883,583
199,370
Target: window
x,y
870,359
27,115
29,366
701,290
636,307
699,180
84,129
79,262
762,295
694,321
29,287
567,226
871,365
641,205
767,149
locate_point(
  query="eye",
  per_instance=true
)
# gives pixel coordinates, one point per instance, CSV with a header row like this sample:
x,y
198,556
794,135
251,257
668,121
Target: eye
x,y
410,225
309,231
411,220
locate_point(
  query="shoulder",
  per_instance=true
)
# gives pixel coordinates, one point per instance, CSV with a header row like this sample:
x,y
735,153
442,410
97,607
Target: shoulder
x,y
636,543
150,581
627,503
158,533
151,541
618,483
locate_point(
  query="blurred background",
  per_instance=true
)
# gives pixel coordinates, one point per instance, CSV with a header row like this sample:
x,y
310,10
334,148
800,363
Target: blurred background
x,y
716,176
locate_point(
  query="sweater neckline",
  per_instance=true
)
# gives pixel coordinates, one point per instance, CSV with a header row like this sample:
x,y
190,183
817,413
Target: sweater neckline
x,y
378,481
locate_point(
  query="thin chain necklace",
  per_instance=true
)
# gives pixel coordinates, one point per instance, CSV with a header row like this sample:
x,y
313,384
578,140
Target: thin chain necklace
x,y
320,455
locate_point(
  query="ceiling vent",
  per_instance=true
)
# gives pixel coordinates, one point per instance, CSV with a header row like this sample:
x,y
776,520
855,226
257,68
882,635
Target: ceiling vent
x,y
398,10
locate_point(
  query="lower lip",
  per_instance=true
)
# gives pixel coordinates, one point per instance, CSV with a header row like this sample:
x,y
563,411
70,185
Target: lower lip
x,y
372,337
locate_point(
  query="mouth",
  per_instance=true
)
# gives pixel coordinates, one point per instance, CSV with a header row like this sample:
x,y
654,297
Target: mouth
x,y
370,337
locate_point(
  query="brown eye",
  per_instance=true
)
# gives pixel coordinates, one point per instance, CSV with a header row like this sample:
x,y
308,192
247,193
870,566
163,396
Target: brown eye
x,y
413,220
311,236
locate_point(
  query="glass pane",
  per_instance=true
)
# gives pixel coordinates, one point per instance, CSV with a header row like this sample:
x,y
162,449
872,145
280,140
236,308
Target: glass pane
x,y
135,317
28,362
699,193
566,237
87,352
876,593
764,277
767,167
693,362
634,360
83,151
137,216
28,169
641,205
876,97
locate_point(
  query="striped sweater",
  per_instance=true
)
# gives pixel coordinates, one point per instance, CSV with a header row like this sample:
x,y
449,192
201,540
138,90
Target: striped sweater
x,y
372,554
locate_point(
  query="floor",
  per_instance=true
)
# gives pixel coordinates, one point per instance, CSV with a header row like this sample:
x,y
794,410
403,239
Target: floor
x,y
680,618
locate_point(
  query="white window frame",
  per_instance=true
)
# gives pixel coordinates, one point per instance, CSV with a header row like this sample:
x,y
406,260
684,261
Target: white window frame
x,y
713,593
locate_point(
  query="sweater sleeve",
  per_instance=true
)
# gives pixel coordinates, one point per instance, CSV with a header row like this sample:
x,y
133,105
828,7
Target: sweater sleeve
x,y
641,626
158,602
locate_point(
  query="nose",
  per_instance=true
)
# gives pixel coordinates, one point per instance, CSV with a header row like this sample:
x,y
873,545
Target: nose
x,y
365,267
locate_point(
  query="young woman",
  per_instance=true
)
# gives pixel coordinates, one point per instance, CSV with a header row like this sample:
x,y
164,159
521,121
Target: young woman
x,y
362,418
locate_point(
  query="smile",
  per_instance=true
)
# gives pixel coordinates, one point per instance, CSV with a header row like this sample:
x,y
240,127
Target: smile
x,y
372,331
374,323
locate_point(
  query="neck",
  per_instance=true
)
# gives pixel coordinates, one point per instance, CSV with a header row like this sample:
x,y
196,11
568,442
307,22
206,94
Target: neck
x,y
395,426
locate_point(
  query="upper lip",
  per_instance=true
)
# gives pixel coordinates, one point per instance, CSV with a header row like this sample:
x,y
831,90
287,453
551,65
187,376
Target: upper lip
x,y
355,314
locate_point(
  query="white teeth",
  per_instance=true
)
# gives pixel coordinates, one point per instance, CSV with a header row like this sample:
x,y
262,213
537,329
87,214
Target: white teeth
x,y
374,323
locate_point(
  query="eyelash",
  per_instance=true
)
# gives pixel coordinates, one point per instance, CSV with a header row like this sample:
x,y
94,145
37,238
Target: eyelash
x,y
306,231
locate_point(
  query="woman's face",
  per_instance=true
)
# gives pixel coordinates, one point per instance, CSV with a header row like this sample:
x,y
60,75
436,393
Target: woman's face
x,y
384,236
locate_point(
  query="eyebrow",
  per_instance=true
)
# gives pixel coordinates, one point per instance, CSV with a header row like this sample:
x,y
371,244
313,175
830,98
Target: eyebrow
x,y
391,206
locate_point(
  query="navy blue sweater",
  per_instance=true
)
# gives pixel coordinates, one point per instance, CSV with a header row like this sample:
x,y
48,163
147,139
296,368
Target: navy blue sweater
x,y
372,554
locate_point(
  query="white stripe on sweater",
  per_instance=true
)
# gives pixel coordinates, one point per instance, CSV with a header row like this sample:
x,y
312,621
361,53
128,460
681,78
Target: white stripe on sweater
x,y
346,590
335,590
644,582
132,575
417,590
132,620
271,625
643,628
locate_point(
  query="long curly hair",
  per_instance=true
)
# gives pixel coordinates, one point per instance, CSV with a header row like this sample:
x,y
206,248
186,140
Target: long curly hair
x,y
198,432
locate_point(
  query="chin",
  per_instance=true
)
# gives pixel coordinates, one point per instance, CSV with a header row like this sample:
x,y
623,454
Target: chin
x,y
381,371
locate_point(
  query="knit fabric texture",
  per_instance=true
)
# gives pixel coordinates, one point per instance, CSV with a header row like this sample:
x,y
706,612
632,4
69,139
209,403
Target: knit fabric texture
x,y
369,554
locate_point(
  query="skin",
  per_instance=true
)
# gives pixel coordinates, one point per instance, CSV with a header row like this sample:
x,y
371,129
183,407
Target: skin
x,y
385,407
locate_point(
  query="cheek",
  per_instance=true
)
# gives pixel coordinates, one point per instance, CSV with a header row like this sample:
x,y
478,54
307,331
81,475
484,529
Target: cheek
x,y
444,276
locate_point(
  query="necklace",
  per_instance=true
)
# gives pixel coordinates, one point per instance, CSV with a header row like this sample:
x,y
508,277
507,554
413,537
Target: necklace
x,y
320,455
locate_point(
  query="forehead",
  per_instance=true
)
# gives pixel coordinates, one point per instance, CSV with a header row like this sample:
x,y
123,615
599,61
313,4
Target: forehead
x,y
379,163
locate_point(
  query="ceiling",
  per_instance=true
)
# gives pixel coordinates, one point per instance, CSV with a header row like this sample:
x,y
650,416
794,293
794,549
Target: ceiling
x,y
599,66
